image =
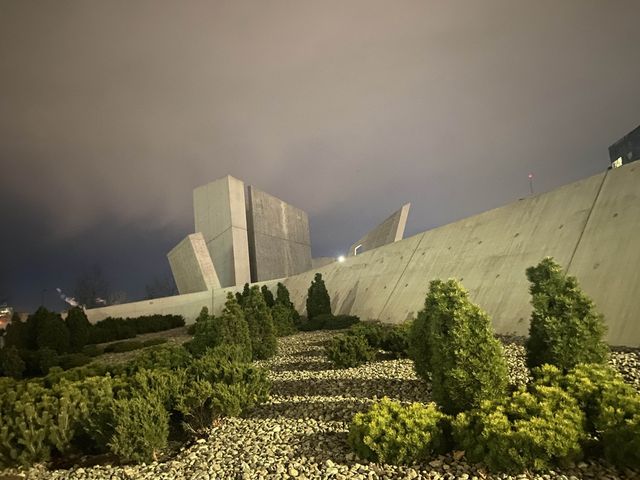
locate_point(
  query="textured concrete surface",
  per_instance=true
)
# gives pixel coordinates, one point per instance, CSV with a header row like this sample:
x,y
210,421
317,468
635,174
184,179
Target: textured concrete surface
x,y
389,231
322,261
607,259
590,227
191,265
219,212
279,241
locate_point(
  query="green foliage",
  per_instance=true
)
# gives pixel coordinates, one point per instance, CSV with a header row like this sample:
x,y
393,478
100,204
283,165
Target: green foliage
x,y
79,328
229,328
346,351
92,350
399,434
141,428
72,360
419,343
152,342
268,296
126,346
282,298
611,406
533,429
565,329
169,356
217,385
53,333
467,361
328,322
47,358
260,322
393,339
16,333
318,301
111,328
11,363
283,320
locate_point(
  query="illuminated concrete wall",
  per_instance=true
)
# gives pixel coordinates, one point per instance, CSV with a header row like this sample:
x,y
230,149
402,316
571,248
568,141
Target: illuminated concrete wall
x,y
219,212
279,240
191,265
389,231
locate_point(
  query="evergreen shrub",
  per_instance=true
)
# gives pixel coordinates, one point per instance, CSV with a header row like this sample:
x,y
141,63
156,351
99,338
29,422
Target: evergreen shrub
x,y
346,351
261,331
611,406
283,298
215,386
11,362
419,344
565,329
318,301
141,429
126,346
268,296
79,328
283,320
152,342
530,430
467,361
391,432
230,328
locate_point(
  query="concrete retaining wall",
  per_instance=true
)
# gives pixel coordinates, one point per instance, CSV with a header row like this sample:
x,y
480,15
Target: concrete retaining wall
x,y
590,227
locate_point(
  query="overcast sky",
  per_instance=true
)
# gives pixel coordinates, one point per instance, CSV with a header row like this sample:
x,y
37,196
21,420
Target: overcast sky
x,y
111,112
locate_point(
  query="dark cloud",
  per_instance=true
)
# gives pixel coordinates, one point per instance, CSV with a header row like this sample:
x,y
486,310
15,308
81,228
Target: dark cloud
x,y
112,112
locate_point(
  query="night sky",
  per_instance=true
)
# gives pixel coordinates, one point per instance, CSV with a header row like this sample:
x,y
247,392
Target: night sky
x,y
111,112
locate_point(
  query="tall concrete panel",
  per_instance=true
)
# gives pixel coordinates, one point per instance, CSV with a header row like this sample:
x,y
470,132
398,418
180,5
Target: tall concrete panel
x,y
389,231
279,240
219,211
607,260
191,265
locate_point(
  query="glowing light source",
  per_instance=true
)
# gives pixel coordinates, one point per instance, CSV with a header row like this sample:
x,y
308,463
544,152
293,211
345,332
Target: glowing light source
x,y
341,258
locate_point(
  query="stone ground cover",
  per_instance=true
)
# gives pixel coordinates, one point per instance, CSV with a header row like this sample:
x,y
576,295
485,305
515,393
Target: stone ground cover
x,y
302,431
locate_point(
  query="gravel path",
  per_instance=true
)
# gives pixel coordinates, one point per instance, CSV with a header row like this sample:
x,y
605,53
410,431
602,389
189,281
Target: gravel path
x,y
301,433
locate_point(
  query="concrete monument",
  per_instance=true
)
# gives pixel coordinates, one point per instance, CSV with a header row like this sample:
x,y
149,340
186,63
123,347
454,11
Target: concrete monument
x,y
191,265
389,231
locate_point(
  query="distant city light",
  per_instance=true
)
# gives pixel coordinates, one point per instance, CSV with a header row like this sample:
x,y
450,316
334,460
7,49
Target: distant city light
x,y
341,258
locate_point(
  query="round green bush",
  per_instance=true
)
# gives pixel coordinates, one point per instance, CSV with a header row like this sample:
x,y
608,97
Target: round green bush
x,y
611,406
346,351
533,430
141,429
399,434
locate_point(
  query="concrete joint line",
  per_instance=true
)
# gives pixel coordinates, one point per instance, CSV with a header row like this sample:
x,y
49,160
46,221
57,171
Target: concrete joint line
x,y
586,223
281,238
395,287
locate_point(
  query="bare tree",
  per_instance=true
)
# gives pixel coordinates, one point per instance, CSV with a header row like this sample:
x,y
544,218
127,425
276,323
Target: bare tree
x,y
92,288
161,286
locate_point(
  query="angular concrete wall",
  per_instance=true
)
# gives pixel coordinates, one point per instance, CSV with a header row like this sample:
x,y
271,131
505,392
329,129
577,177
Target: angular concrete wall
x,y
607,258
389,231
191,265
279,240
591,227
219,212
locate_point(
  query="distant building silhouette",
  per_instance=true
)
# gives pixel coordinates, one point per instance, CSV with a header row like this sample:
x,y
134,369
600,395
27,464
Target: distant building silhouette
x,y
625,150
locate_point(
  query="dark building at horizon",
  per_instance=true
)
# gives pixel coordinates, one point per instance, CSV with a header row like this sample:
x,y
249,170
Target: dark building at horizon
x,y
626,150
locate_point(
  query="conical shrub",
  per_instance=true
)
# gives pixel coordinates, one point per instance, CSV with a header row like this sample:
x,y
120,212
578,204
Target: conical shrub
x,y
466,360
565,329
